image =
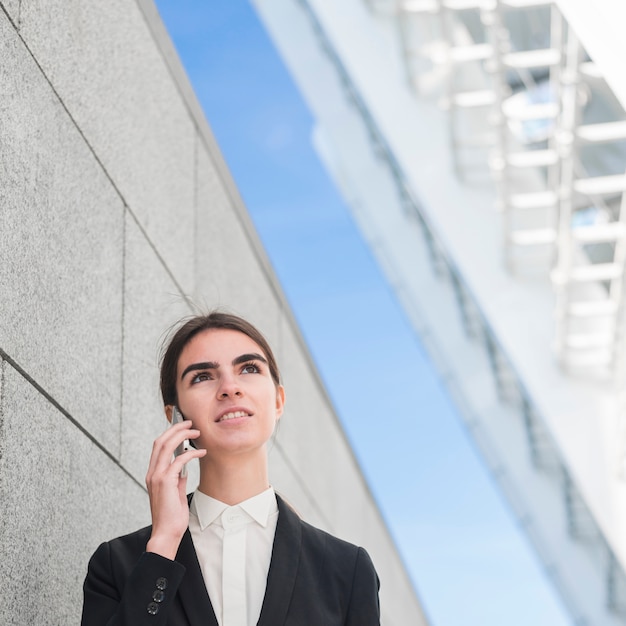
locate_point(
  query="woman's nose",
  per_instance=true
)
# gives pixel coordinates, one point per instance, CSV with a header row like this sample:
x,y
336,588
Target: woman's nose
x,y
229,388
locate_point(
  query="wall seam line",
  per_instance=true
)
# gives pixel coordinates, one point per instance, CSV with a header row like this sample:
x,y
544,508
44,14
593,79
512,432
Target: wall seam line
x,y
99,161
2,424
22,372
122,331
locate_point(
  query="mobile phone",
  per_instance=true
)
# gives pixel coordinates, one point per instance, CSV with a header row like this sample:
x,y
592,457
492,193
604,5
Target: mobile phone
x,y
177,417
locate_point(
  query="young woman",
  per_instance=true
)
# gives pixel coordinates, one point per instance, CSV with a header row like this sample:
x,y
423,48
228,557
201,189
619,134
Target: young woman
x,y
233,553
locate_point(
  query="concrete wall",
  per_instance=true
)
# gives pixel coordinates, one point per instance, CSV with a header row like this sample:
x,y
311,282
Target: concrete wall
x,y
117,217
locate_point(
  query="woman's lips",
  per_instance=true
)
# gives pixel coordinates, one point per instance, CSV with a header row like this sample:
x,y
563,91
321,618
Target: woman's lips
x,y
231,415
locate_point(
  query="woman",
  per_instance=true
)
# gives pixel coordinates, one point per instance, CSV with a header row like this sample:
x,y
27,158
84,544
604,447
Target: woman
x,y
233,553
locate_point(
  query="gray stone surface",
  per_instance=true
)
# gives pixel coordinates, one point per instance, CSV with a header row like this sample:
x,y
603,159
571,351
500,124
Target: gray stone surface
x,y
288,482
228,271
308,427
151,305
2,425
61,254
61,496
102,61
12,7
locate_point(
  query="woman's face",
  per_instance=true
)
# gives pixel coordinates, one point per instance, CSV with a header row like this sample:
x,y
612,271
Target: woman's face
x,y
224,386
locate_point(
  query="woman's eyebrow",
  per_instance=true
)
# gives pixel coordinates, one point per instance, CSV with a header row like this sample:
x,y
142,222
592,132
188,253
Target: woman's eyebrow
x,y
205,365
252,356
212,365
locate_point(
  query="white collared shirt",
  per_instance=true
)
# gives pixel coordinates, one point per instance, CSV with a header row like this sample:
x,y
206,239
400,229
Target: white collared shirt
x,y
259,515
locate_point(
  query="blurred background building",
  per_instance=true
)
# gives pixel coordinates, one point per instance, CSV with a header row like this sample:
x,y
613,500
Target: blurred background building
x,y
481,146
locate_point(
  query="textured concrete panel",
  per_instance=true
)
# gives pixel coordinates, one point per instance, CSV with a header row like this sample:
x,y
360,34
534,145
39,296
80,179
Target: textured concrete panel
x,y
287,481
229,273
61,252
12,7
152,304
309,431
74,497
102,61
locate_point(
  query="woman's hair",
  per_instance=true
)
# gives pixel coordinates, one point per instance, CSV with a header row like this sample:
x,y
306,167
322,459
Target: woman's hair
x,y
197,324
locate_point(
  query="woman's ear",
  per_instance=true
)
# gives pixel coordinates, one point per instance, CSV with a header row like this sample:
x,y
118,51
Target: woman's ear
x,y
168,412
280,401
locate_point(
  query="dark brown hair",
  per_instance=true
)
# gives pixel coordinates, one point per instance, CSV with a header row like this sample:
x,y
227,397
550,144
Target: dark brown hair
x,y
197,324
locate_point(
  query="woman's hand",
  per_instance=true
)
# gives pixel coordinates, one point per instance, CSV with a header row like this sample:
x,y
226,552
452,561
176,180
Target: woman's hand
x,y
167,489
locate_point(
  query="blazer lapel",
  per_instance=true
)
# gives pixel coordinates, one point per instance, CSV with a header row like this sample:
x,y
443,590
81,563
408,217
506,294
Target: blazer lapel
x,y
192,590
283,567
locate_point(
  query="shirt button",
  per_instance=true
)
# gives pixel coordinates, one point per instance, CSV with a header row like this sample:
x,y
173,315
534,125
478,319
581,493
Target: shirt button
x,y
161,583
158,596
153,608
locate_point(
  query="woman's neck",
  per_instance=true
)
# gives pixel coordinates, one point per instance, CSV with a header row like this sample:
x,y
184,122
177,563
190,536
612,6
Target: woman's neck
x,y
234,479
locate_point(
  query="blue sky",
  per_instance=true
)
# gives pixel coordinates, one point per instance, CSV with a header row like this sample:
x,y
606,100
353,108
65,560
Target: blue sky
x,y
469,563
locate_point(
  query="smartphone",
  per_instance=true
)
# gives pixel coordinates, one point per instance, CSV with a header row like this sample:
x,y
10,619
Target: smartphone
x,y
177,417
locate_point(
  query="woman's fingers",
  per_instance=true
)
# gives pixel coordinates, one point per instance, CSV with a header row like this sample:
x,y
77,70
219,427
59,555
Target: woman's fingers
x,y
164,446
182,459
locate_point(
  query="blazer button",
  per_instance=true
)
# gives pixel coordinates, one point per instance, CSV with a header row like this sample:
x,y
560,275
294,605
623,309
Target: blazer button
x,y
153,608
161,583
158,595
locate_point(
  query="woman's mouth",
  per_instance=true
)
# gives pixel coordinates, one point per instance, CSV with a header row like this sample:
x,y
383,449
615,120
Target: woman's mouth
x,y
233,415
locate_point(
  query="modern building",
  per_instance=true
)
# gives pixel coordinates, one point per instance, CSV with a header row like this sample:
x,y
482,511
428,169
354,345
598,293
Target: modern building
x,y
481,146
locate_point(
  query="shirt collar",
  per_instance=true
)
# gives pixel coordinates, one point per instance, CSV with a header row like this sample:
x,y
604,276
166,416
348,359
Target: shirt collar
x,y
209,510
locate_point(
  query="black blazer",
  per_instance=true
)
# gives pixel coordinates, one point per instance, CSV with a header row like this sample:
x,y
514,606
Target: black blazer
x,y
314,579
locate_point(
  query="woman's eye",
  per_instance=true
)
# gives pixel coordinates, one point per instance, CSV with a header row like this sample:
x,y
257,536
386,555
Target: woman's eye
x,y
250,368
198,378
